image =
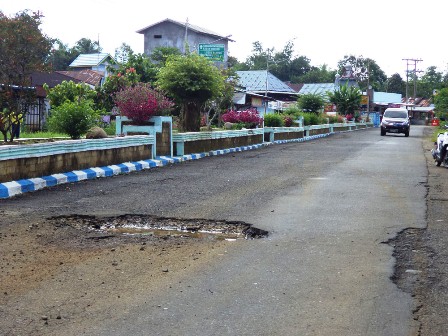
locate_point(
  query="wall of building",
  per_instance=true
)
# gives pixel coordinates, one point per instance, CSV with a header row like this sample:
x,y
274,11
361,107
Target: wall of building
x,y
173,35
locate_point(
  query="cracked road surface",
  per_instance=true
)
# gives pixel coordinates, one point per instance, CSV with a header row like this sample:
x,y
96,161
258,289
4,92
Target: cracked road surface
x,y
331,207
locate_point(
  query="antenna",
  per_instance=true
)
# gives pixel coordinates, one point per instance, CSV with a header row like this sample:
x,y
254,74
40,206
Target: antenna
x,y
186,37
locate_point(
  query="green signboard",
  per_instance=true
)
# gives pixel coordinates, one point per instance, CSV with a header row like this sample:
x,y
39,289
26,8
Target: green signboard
x,y
213,52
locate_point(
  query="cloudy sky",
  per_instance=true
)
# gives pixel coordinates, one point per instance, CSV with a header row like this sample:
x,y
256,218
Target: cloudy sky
x,y
387,31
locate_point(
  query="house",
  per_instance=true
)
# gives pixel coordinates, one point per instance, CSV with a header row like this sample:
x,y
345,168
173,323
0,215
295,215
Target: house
x,y
37,111
171,33
421,110
97,62
258,87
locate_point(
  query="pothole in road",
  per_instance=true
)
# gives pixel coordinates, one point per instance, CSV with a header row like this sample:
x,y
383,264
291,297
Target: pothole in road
x,y
162,226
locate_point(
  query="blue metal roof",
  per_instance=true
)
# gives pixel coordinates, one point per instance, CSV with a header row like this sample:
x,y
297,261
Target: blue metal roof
x,y
318,88
89,60
255,81
386,97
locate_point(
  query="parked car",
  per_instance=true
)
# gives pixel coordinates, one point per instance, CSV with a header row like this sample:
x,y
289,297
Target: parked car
x,y
395,120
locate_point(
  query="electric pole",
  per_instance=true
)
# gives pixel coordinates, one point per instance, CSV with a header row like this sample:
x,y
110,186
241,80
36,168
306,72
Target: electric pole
x,y
409,62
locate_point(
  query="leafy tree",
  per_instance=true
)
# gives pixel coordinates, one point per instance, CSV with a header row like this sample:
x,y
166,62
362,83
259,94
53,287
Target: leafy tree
x,y
213,108
23,50
191,80
347,99
161,54
61,56
430,81
73,118
365,70
311,102
259,58
316,75
282,64
441,103
86,46
69,91
395,84
23,47
122,53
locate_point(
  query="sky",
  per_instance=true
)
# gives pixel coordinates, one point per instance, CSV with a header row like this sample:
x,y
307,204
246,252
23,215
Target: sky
x,y
387,31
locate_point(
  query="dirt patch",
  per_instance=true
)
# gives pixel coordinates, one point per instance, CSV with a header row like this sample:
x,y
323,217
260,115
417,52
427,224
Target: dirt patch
x,y
54,270
421,255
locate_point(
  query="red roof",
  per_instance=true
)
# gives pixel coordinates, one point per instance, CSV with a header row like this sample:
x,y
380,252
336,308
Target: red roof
x,y
87,76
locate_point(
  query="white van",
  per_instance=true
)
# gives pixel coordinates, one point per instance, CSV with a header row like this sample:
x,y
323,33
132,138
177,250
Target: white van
x,y
395,120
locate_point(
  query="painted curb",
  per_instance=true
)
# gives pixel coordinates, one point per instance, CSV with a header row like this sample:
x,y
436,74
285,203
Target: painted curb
x,y
14,188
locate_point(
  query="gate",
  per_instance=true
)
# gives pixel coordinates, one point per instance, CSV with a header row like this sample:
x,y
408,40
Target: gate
x,y
35,114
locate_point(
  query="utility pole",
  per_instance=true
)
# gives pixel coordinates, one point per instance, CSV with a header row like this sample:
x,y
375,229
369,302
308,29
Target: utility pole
x,y
409,62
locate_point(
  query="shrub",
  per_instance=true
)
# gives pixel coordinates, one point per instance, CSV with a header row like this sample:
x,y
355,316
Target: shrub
x,y
334,119
310,118
249,118
73,118
273,120
141,102
311,102
288,121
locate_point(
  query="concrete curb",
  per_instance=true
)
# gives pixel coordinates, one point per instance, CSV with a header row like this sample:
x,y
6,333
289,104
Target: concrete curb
x,y
14,188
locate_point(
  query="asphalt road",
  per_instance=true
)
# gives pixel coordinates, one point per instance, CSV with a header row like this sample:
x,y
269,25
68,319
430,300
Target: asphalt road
x,y
330,206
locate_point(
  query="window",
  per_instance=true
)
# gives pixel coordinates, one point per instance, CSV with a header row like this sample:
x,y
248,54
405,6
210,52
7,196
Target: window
x,y
157,36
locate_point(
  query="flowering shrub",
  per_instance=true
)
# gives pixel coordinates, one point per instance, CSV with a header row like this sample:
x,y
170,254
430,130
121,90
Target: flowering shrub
x,y
250,118
141,102
288,121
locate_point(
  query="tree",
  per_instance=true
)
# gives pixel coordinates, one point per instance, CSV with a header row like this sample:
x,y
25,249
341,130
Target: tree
x,y
430,81
191,80
282,64
86,46
122,53
23,50
311,102
316,75
365,70
441,103
395,84
347,99
23,47
61,56
69,91
160,55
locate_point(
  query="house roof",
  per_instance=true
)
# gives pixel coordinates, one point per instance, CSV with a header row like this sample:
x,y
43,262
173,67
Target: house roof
x,y
261,81
296,87
317,88
89,60
51,79
384,98
87,76
195,28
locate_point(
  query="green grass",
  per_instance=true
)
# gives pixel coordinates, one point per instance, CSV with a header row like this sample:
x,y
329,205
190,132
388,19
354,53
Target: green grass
x,y
34,135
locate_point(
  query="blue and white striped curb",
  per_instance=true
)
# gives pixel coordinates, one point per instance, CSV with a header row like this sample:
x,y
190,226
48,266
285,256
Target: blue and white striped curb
x,y
9,189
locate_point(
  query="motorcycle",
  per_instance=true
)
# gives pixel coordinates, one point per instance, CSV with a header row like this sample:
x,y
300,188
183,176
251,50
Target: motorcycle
x,y
439,152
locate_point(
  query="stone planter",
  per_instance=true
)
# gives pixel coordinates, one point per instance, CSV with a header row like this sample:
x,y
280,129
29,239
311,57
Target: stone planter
x,y
160,127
